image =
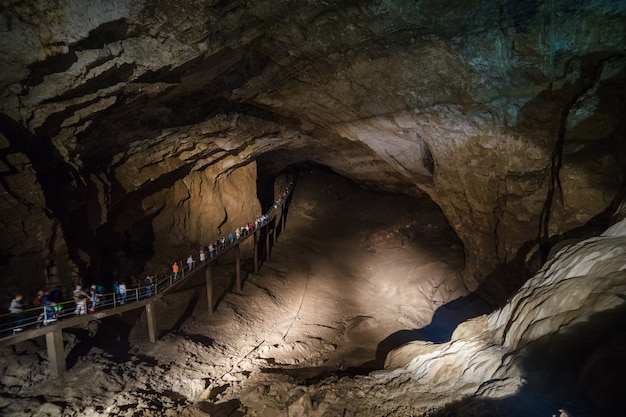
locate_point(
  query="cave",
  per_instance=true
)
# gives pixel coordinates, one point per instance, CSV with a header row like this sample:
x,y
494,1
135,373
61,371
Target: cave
x,y
454,242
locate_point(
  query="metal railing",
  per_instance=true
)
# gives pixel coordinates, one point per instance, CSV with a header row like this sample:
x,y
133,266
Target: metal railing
x,y
43,315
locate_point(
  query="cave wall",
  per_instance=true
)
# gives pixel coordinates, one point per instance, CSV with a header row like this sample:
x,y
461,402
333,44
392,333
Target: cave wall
x,y
130,122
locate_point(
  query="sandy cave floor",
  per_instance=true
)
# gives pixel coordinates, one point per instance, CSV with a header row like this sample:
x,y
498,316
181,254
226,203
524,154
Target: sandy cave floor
x,y
352,276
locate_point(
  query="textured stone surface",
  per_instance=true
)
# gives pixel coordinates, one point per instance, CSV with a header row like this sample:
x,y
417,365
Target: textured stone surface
x,y
560,328
133,131
507,115
309,334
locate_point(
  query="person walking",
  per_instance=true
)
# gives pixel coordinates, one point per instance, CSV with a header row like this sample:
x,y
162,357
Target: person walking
x,y
148,283
100,291
122,292
190,262
37,300
80,298
16,309
49,313
116,290
93,295
56,294
175,269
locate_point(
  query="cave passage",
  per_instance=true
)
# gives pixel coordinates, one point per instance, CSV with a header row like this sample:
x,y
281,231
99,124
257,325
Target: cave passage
x,y
381,268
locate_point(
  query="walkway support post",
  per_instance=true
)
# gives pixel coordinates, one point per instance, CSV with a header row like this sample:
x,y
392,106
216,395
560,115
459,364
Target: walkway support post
x,y
151,320
209,287
256,251
56,355
282,217
274,230
237,268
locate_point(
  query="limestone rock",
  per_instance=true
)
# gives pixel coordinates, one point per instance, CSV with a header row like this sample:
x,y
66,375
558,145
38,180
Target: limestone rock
x,y
557,324
115,113
132,132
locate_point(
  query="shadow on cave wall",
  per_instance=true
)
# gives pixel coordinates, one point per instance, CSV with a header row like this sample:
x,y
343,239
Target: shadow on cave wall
x,y
71,199
55,177
444,321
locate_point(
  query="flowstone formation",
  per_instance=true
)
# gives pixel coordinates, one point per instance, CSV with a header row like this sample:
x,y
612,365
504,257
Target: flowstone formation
x,y
558,335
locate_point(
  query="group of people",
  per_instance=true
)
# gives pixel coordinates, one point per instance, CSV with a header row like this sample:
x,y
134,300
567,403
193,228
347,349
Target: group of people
x,y
51,304
214,248
51,301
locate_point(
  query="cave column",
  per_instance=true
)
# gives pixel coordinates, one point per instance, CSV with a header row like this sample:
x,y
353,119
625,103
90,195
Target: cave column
x,y
237,268
151,320
256,251
56,355
209,287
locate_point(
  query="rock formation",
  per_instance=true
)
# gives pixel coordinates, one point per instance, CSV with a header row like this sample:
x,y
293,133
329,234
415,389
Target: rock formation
x,y
133,131
558,333
113,114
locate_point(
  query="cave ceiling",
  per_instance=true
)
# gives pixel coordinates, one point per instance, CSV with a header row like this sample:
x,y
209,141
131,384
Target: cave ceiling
x,y
509,114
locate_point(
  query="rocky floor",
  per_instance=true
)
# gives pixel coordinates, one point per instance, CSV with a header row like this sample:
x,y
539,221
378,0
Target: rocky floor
x,y
352,277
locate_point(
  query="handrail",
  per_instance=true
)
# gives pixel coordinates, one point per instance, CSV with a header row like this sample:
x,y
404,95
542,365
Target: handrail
x,y
44,315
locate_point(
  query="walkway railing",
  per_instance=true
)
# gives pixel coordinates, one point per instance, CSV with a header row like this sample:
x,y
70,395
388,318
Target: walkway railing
x,y
44,315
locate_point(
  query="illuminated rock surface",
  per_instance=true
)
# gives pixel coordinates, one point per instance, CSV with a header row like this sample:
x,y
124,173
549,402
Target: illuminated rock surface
x,y
345,287
134,131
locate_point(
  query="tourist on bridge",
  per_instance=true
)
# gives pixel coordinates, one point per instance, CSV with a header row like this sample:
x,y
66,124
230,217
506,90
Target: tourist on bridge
x,y
93,295
49,313
37,300
56,294
202,255
231,239
15,308
100,291
190,262
123,293
116,290
80,298
148,283
175,269
57,298
211,249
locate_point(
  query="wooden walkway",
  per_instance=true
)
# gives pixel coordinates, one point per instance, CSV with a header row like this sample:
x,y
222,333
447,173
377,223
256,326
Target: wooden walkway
x,y
54,332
